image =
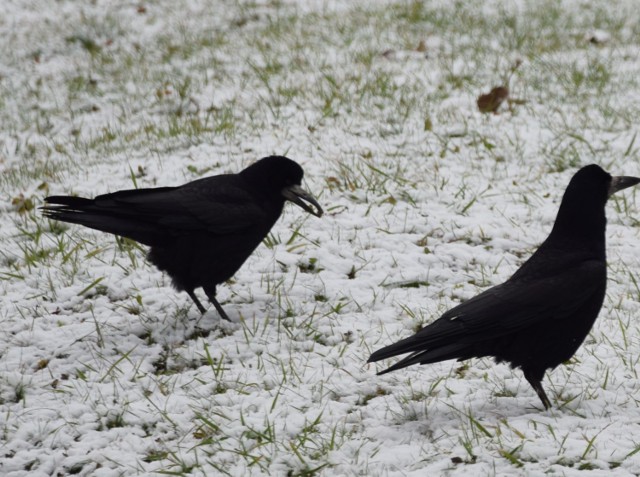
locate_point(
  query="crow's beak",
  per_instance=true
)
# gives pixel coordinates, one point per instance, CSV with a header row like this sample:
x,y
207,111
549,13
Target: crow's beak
x,y
297,194
622,182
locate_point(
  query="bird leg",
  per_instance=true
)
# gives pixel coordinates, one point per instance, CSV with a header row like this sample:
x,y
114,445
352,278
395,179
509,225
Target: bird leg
x,y
211,294
193,296
536,384
221,311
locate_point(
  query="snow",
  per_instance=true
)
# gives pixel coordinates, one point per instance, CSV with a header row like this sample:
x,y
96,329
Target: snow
x,y
105,370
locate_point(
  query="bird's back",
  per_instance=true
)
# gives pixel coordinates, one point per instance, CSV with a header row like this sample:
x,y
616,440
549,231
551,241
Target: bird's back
x,y
199,232
533,320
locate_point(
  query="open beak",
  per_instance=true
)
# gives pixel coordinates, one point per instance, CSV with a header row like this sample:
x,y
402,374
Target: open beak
x,y
622,182
297,194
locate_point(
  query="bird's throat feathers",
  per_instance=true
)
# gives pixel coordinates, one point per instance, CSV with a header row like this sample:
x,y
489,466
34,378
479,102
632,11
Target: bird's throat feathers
x,y
580,224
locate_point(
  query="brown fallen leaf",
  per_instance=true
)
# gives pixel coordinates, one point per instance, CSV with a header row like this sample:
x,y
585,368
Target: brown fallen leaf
x,y
490,102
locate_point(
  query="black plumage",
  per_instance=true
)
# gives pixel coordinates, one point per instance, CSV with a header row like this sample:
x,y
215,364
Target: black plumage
x,y
200,233
538,318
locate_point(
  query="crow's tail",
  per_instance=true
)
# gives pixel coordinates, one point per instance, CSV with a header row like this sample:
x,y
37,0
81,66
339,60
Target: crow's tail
x,y
106,216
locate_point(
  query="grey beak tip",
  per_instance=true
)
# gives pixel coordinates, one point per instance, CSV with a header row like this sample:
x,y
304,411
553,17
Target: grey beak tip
x,y
298,196
619,183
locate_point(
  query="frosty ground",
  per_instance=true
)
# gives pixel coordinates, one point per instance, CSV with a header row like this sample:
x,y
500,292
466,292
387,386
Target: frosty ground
x,y
105,370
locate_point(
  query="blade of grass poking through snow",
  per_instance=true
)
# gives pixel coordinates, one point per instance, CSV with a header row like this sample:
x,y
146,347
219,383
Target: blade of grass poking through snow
x,y
134,180
479,426
90,286
631,144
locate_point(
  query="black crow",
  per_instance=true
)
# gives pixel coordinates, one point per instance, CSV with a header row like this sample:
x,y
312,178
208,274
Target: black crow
x,y
200,233
538,318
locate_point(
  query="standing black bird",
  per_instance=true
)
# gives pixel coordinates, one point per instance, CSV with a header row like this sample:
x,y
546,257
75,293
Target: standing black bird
x,y
538,318
200,233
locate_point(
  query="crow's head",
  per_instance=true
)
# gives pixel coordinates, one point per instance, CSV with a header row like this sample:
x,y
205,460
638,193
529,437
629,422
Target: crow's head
x,y
593,181
282,177
581,212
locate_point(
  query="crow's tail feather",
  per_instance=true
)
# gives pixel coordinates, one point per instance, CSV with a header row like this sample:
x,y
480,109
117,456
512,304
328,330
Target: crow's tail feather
x,y
115,220
68,201
422,356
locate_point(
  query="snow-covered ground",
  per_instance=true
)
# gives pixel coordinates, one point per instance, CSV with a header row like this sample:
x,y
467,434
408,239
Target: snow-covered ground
x,y
105,370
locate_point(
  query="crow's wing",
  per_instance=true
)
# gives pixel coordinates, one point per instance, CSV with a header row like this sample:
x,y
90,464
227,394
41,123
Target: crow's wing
x,y
504,309
220,205
217,205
